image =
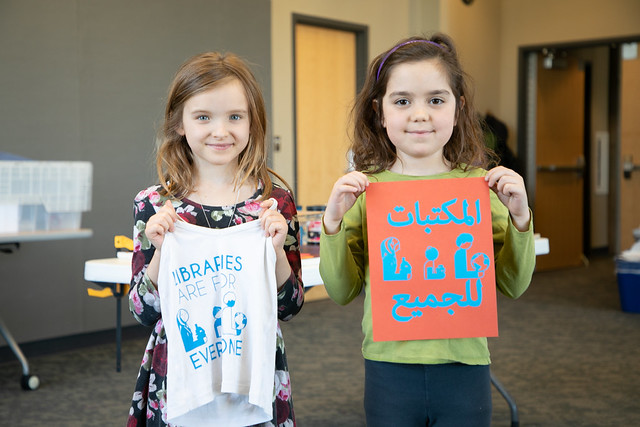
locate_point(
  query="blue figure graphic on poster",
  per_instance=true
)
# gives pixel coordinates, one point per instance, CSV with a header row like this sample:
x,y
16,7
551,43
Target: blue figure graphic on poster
x,y
431,270
390,269
467,267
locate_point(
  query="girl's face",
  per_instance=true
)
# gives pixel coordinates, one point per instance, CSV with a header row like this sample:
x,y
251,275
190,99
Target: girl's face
x,y
419,113
216,125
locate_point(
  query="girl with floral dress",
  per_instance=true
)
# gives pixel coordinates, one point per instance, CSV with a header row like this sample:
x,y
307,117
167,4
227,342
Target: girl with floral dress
x,y
212,166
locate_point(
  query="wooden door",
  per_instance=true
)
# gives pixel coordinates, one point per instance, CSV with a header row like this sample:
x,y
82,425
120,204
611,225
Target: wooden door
x,y
325,74
629,150
560,165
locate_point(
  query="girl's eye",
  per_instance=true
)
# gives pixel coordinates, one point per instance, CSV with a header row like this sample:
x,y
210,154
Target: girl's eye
x,y
235,117
402,102
202,117
437,101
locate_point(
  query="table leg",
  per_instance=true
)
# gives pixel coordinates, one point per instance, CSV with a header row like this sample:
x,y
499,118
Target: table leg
x,y
28,382
118,296
515,421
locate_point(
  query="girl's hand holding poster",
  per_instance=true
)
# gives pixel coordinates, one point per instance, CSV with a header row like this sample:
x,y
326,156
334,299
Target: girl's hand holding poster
x,y
431,259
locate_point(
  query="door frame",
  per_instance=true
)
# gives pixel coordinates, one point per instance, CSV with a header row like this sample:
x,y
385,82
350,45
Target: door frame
x,y
362,61
526,152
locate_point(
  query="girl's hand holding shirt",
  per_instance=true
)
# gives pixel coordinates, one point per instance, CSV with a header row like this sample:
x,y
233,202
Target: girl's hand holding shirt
x,y
274,224
160,224
163,222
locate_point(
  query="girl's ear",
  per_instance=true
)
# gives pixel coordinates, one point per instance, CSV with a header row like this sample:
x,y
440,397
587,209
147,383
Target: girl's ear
x,y
376,107
171,119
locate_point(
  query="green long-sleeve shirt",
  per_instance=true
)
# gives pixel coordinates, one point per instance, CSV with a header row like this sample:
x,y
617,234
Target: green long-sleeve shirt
x,y
344,267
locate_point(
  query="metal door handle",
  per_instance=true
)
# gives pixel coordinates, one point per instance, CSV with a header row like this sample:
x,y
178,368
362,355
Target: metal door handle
x,y
628,166
577,168
559,168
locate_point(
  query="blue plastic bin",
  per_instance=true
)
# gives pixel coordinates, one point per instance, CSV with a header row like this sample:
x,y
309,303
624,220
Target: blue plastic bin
x,y
628,273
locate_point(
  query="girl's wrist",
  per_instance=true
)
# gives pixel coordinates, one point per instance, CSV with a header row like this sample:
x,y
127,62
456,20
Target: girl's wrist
x,y
283,269
281,254
521,222
330,226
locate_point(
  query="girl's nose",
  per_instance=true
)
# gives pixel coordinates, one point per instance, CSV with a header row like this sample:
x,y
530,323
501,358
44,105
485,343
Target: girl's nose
x,y
419,114
219,130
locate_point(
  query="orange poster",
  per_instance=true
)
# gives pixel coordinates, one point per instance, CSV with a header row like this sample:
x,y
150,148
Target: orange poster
x,y
431,259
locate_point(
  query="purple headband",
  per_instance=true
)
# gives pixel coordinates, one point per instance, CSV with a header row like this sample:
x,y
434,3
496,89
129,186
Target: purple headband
x,y
398,47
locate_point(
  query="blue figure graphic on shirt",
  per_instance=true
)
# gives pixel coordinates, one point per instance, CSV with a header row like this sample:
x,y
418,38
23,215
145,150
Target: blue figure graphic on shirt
x,y
390,271
190,342
231,322
239,322
433,272
478,262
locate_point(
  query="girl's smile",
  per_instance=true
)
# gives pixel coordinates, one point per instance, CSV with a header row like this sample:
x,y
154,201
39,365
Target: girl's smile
x,y
219,146
420,132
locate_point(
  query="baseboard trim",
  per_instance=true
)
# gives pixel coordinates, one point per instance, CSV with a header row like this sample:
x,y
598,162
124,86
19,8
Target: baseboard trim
x,y
73,342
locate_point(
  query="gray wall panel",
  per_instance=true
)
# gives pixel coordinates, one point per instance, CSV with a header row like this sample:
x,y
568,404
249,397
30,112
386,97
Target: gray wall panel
x,y
86,80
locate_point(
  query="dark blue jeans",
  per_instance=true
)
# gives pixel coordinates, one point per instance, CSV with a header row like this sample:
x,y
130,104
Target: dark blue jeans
x,y
413,395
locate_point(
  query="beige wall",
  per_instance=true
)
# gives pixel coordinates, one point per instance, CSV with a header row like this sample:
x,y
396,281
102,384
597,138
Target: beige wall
x,y
533,22
476,32
387,21
488,34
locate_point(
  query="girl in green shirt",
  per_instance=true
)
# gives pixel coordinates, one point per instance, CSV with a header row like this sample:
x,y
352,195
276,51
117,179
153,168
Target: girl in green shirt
x,y
415,119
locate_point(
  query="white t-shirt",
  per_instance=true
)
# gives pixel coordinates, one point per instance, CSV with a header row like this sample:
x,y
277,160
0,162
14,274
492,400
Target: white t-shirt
x,y
218,296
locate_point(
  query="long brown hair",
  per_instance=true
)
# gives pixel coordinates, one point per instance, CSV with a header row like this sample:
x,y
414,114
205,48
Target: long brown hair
x,y
174,161
371,148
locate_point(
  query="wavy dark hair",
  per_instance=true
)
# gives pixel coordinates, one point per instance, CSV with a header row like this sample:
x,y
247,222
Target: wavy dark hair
x,y
371,148
174,161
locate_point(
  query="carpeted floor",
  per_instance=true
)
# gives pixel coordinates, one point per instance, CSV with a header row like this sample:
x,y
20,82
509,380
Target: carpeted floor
x,y
566,353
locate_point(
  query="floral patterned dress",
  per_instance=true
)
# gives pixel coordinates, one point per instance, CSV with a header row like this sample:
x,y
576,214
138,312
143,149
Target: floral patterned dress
x,y
148,407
